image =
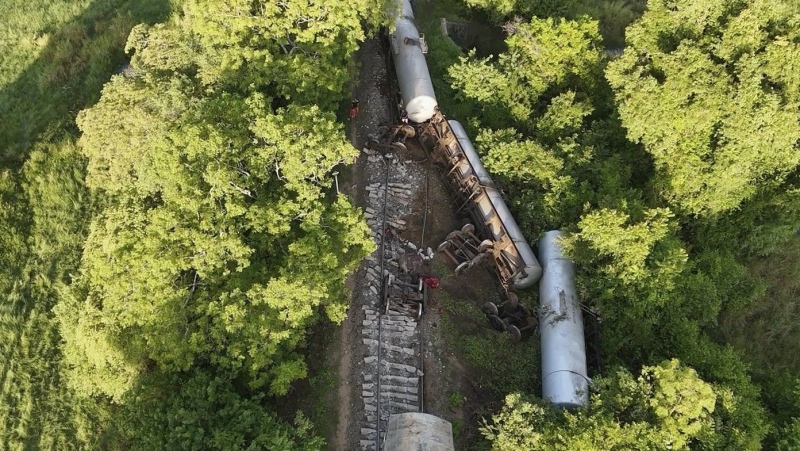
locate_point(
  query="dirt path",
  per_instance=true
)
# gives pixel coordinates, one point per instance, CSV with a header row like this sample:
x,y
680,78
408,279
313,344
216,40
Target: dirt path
x,y
345,390
375,108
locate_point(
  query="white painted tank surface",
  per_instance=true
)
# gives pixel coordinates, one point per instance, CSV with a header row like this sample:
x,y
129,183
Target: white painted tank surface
x,y
495,213
416,87
416,431
564,379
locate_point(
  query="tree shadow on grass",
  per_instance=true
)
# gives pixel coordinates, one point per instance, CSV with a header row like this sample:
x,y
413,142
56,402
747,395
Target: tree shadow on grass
x,y
40,107
69,73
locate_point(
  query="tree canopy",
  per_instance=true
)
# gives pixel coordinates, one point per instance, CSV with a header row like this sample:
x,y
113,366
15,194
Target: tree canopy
x,y
667,407
179,245
217,242
710,90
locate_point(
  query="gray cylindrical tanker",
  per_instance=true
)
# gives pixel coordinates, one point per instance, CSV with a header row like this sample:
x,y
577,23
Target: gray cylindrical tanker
x,y
419,100
416,431
495,213
564,379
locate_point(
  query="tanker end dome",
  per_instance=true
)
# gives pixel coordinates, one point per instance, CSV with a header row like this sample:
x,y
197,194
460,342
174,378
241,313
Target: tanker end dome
x,y
420,108
413,77
564,379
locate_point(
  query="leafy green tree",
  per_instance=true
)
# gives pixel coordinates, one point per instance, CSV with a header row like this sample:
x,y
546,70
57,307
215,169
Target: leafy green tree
x,y
667,407
218,243
789,436
294,49
501,9
708,90
643,257
544,57
201,410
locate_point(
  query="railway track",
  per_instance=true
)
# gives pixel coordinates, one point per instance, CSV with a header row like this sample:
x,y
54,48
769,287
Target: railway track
x,y
392,375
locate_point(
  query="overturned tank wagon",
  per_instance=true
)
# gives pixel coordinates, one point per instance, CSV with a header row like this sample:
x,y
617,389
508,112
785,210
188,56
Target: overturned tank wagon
x,y
418,432
564,378
508,243
498,239
408,53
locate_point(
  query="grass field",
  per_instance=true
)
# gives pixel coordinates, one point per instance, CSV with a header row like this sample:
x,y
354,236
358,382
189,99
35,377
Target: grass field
x,y
55,56
769,331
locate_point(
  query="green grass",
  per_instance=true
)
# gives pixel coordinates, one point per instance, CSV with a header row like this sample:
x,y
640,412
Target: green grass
x,y
37,410
456,399
458,430
769,331
55,56
492,362
321,385
500,365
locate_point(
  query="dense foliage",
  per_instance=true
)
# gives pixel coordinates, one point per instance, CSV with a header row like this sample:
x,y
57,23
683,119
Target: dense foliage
x,y
674,165
667,407
709,91
169,255
169,235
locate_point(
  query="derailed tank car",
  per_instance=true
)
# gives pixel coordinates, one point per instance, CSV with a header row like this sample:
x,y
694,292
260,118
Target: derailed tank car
x,y
497,239
494,236
408,49
504,243
508,242
565,382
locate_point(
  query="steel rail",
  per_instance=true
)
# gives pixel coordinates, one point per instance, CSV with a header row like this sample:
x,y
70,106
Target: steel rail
x,y
380,309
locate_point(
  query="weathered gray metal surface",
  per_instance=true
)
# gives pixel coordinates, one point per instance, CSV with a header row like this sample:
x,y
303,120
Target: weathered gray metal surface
x,y
495,213
418,432
413,77
564,379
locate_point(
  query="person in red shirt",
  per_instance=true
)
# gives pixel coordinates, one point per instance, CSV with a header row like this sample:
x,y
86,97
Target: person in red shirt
x,y
354,109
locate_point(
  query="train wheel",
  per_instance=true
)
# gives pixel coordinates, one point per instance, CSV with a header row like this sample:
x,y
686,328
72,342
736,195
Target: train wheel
x,y
407,131
443,247
462,267
399,147
516,334
497,323
513,299
490,308
485,246
468,228
419,311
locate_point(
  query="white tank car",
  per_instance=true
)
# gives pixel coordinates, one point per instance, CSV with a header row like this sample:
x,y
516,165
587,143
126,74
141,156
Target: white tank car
x,y
416,431
495,214
419,100
564,379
